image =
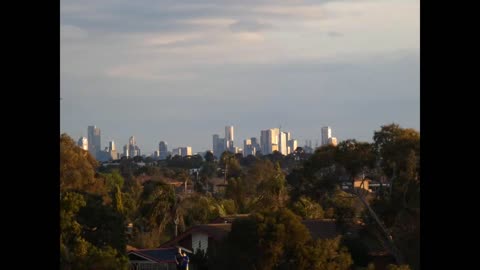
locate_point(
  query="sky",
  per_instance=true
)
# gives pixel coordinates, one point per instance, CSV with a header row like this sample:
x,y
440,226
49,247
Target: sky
x,y
180,71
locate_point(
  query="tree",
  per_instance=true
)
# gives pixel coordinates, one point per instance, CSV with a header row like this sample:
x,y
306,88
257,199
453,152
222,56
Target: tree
x,y
307,208
91,231
77,167
355,157
158,200
209,157
393,144
276,240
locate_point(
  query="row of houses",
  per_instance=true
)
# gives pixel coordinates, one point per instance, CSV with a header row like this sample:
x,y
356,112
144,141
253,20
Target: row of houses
x,y
200,237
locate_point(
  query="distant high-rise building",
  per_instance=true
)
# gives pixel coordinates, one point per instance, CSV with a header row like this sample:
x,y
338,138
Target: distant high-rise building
x,y
186,151
289,136
125,151
255,143
131,149
131,141
182,151
269,140
111,146
163,150
326,134
282,143
248,148
333,141
83,143
218,146
292,145
94,140
176,152
264,141
229,139
229,133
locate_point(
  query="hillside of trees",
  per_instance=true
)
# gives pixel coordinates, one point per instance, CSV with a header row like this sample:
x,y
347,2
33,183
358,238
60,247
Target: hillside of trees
x,y
98,203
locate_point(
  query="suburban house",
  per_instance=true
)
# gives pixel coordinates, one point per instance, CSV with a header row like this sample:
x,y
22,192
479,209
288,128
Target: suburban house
x,y
153,259
200,237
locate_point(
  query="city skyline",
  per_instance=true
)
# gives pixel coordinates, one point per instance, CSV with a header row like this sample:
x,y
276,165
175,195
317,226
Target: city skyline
x,y
180,72
239,143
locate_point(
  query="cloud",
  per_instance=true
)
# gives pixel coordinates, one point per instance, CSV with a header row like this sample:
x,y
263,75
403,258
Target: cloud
x,y
249,37
334,34
71,32
249,26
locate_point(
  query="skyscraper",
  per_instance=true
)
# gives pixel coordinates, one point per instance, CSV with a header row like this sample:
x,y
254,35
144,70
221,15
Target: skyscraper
x,y
94,142
292,145
326,134
131,149
229,133
282,143
163,150
269,140
111,146
229,139
264,141
83,143
218,145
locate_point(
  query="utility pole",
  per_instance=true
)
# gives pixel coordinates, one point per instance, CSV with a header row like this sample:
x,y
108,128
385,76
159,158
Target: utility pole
x,y
389,240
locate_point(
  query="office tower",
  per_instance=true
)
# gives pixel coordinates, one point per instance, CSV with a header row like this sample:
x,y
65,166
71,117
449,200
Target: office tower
x,y
215,139
176,152
163,150
248,148
282,143
111,146
131,149
112,151
131,141
269,140
326,134
156,154
273,142
264,141
83,143
289,136
218,146
292,145
333,141
185,151
229,133
125,151
229,139
94,142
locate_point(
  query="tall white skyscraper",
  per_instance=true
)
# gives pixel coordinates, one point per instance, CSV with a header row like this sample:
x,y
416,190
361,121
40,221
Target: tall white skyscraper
x,y
83,143
282,143
229,139
229,133
326,134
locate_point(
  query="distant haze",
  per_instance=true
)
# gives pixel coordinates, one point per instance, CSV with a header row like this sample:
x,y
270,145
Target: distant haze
x,y
180,71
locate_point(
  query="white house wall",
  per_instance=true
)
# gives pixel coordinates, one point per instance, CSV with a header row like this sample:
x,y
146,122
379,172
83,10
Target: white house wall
x,y
199,240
